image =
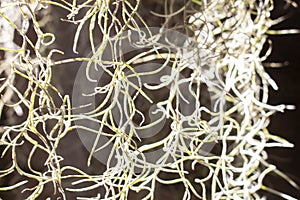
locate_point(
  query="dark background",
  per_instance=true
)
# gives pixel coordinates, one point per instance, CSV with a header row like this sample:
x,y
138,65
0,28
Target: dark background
x,y
287,124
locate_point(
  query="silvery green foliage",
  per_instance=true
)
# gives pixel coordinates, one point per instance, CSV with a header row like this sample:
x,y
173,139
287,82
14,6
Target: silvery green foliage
x,y
222,54
6,41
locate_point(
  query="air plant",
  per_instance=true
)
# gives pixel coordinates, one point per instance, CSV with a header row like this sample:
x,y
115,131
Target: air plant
x,y
214,145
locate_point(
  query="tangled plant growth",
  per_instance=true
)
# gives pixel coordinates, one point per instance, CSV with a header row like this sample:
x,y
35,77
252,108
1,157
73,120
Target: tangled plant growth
x,y
221,144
